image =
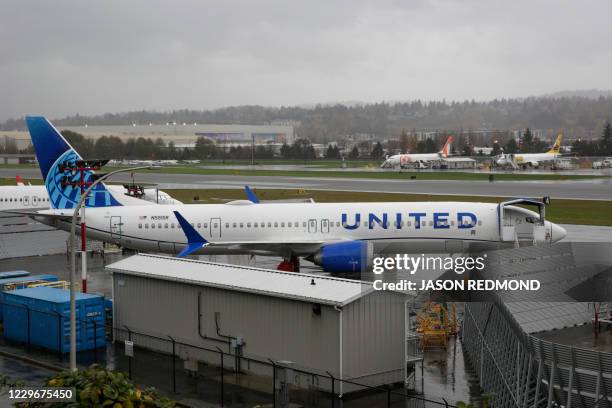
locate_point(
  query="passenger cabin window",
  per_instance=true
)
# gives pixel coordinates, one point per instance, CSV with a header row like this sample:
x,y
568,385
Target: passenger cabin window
x,y
140,226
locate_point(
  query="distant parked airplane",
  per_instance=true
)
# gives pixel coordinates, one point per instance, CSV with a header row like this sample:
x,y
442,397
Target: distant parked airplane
x,y
533,160
419,159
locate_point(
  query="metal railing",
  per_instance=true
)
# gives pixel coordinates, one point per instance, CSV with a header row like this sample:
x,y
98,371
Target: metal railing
x,y
521,370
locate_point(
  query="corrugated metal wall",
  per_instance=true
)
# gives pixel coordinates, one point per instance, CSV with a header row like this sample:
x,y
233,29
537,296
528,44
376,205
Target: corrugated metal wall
x,y
271,327
276,328
373,339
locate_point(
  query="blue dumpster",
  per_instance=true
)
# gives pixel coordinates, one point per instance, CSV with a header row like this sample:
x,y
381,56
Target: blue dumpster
x,y
20,282
41,316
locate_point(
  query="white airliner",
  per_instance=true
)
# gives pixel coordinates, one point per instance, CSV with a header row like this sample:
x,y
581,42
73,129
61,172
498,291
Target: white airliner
x,y
22,197
340,237
534,160
417,159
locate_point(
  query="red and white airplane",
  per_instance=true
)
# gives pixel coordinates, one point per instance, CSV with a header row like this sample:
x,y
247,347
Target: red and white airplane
x,y
420,160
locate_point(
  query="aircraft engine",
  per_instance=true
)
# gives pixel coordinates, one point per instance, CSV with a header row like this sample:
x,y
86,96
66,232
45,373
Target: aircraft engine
x,y
343,257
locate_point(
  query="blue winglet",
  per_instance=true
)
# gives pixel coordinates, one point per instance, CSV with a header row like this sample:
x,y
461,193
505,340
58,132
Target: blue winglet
x,y
194,240
251,195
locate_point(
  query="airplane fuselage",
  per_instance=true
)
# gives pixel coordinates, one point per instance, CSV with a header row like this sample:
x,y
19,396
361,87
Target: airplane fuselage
x,y
530,158
37,198
23,198
302,228
403,160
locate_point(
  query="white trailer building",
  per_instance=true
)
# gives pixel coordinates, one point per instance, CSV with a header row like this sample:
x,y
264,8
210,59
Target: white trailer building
x,y
321,324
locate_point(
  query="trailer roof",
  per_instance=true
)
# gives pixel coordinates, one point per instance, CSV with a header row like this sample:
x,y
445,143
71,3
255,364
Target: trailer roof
x,y
297,286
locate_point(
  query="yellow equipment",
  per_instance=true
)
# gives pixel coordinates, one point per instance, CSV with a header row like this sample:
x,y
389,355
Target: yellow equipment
x,y
436,324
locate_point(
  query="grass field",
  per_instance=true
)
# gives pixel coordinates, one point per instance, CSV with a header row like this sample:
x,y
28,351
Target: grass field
x,y
348,173
583,212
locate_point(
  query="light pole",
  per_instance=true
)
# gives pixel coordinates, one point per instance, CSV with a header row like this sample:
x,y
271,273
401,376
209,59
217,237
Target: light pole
x,y
75,214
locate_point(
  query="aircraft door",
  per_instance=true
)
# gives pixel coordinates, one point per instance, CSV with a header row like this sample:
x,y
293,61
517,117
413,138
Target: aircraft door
x,y
115,227
26,201
324,226
34,200
312,226
215,227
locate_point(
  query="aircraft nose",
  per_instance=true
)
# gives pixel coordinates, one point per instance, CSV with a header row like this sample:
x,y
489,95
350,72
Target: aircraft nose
x,y
558,232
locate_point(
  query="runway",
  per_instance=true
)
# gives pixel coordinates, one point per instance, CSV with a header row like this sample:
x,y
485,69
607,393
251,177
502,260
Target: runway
x,y
590,189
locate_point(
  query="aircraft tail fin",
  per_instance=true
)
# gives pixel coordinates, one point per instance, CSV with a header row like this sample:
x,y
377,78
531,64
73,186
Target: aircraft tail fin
x,y
557,145
445,151
54,153
251,195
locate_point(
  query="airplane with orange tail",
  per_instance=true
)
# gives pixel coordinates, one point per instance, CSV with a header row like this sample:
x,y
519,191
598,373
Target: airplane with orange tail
x,y
420,160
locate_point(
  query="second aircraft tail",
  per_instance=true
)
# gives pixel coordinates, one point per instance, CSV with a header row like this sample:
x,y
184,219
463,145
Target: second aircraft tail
x,y
54,154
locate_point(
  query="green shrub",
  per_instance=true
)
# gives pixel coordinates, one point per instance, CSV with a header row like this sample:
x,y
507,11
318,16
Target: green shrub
x,y
99,387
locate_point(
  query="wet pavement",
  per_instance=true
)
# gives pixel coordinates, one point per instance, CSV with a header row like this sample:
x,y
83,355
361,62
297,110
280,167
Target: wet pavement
x,y
448,375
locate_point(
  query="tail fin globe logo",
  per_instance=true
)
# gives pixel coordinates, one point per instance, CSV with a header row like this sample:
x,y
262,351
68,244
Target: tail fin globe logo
x,y
52,150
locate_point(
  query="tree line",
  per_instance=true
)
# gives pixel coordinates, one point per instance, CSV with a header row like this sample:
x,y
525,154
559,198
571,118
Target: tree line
x,y
601,147
205,149
579,116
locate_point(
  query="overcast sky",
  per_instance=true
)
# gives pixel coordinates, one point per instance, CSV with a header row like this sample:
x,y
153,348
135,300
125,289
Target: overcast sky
x,y
65,57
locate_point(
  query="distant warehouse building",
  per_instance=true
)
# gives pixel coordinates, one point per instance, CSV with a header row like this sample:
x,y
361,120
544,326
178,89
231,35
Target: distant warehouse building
x,y
246,134
187,133
319,324
458,163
